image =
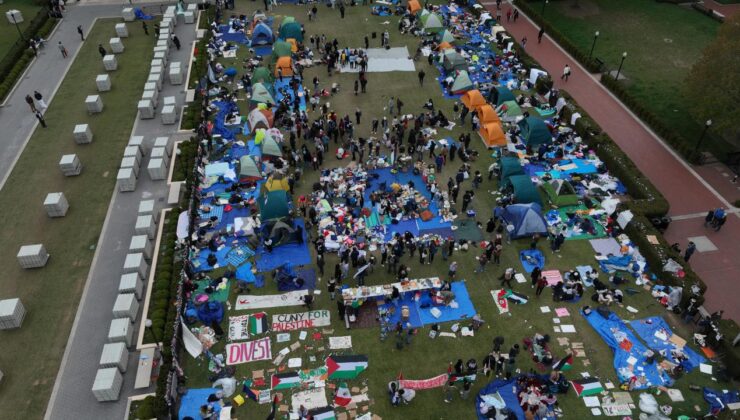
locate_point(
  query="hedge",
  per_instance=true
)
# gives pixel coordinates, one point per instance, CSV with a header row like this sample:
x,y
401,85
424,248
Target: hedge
x,y
19,55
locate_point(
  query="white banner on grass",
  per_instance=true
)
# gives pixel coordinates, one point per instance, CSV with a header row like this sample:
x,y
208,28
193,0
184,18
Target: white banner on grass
x,y
248,351
301,320
294,298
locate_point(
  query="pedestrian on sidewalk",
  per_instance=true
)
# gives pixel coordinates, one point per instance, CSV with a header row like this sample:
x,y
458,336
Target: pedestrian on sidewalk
x,y
690,249
145,26
102,50
508,15
524,43
539,35
62,50
29,101
175,40
156,30
79,31
498,14
40,117
40,100
566,73
516,15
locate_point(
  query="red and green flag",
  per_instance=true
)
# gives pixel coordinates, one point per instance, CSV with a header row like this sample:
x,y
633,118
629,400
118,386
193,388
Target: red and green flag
x,y
587,386
285,380
343,397
345,367
323,413
258,323
564,364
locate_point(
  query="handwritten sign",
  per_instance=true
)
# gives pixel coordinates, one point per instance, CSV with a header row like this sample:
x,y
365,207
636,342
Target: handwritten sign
x,y
248,351
301,320
238,327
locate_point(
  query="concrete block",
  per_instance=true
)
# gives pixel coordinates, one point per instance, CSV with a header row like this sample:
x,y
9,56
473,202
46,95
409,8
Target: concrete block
x,y
107,385
56,204
12,313
121,30
83,134
110,63
70,165
126,180
141,244
151,95
94,104
157,169
146,109
189,16
116,45
32,256
169,115
145,225
131,162
128,14
102,81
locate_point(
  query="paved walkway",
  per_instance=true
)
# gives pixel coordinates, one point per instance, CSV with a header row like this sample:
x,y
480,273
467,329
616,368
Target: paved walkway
x,y
686,191
71,397
726,9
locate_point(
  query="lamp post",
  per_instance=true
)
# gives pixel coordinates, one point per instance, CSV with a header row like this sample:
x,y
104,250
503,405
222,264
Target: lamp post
x,y
624,55
596,36
706,127
12,15
148,325
544,3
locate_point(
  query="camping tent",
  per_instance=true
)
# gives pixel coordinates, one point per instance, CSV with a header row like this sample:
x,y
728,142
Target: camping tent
x,y
280,232
473,99
284,64
262,34
262,75
560,193
499,95
444,46
453,60
524,190
534,132
487,114
277,182
270,146
280,49
510,166
291,30
414,6
432,23
248,169
526,218
293,44
286,20
462,83
492,135
274,205
509,111
261,95
446,36
259,118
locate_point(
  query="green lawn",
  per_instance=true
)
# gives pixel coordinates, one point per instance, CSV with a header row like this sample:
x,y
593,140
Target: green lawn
x,y
662,41
30,356
426,358
8,33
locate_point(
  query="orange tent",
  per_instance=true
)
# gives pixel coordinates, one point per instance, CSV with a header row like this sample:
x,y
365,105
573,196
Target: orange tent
x,y
444,46
472,99
286,65
414,6
492,135
487,114
293,44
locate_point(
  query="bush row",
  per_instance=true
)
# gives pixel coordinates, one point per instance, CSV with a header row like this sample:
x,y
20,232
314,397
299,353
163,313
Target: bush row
x,y
19,55
701,8
161,297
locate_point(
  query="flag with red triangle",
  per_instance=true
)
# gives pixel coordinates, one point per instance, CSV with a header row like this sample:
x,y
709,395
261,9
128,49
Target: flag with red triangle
x,y
564,364
342,396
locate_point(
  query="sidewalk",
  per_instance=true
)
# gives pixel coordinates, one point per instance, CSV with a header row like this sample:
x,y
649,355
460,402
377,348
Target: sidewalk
x,y
686,191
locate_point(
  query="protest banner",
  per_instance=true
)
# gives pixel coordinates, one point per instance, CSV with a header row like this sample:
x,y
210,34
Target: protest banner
x,y
301,320
248,351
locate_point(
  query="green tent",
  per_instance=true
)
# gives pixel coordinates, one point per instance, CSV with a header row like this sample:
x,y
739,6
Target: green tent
x,y
560,193
446,36
274,205
462,83
525,191
534,132
291,30
248,168
510,166
509,111
286,20
262,75
424,12
432,23
261,95
499,95
280,49
270,146
453,60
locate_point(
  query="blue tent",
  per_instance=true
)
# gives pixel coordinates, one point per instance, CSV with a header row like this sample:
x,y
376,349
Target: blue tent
x,y
262,34
526,218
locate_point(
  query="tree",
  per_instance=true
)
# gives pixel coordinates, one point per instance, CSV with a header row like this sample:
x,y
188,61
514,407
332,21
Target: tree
x,y
713,84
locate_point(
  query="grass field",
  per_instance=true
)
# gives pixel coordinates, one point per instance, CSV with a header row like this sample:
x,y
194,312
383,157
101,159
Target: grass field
x,y
30,356
662,41
425,358
8,33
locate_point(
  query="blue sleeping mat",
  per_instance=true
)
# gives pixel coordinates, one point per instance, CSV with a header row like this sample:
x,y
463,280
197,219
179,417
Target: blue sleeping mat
x,y
531,258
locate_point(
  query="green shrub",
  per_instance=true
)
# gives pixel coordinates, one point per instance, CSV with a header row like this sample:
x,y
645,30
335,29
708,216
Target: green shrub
x,y
146,408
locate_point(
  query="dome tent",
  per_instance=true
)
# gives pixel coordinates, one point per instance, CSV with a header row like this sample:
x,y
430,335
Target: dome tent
x,y
560,193
432,23
524,190
452,60
462,83
259,118
446,36
492,135
270,146
281,49
291,30
248,169
510,166
534,132
509,111
413,6
276,182
284,65
262,34
499,95
262,75
526,218
274,205
261,95
487,115
473,99
286,20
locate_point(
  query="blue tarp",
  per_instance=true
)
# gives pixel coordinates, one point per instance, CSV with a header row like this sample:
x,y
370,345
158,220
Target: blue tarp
x,y
531,258
297,254
627,346
414,318
141,15
646,329
192,400
219,126
718,400
505,389
244,273
309,281
465,309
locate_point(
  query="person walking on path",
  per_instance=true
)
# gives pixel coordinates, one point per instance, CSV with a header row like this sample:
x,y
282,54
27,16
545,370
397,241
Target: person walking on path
x,y
62,50
79,31
524,43
690,249
539,35
516,15
29,101
40,100
145,27
566,73
102,50
421,77
176,41
541,284
40,117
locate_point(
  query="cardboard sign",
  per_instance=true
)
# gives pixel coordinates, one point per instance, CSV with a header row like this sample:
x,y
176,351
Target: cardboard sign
x,y
239,327
248,351
264,397
301,320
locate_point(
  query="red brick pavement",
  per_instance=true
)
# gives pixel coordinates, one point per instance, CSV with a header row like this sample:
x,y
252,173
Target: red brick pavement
x,y
685,190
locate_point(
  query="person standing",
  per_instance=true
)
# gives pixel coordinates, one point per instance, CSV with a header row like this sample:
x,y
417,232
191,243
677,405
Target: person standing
x,y
62,50
421,77
516,15
449,389
40,117
566,73
524,42
175,40
541,284
79,31
539,35
690,249
102,50
358,115
145,27
341,10
40,100
465,391
29,101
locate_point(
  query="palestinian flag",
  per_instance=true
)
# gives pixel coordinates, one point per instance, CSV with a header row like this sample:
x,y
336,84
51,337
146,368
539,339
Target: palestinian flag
x,y
345,367
564,364
258,323
515,297
323,413
499,297
343,396
285,380
587,386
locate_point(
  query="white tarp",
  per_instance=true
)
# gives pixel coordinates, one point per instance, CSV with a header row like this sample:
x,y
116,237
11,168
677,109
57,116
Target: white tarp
x,y
182,225
382,60
192,344
534,74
